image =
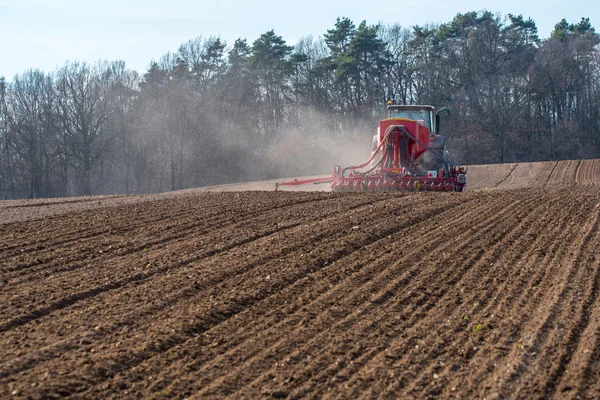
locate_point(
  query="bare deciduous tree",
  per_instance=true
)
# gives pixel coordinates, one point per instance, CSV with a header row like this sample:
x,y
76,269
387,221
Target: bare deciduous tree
x,y
84,106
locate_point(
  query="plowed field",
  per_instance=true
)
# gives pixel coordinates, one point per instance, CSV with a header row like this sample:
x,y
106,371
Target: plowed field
x,y
493,293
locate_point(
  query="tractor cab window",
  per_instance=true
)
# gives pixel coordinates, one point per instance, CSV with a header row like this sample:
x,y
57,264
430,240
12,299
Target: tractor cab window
x,y
421,116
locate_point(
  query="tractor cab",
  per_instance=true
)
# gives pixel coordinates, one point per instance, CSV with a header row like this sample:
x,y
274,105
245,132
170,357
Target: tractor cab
x,y
428,147
422,114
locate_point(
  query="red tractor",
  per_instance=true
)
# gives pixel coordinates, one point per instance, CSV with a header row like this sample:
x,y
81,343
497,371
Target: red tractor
x,y
408,155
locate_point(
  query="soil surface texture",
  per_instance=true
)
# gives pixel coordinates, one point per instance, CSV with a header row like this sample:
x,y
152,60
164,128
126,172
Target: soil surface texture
x,y
491,293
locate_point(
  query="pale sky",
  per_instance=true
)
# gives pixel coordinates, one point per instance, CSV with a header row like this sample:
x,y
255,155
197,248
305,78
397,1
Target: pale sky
x,y
44,34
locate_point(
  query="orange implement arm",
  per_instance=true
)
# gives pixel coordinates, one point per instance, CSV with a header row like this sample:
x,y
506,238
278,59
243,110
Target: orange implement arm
x,y
296,182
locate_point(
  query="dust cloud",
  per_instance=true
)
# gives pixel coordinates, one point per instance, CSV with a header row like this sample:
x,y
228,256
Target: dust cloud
x,y
316,142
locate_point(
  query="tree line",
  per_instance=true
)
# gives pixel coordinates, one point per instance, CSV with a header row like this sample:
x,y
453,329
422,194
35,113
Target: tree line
x,y
214,112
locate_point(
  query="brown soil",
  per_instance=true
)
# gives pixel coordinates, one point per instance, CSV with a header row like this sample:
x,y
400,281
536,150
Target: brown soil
x,y
484,294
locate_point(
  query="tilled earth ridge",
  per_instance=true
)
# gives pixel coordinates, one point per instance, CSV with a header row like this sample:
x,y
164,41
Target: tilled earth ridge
x,y
323,295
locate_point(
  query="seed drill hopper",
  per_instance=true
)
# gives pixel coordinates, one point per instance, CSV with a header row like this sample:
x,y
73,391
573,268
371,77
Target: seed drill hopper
x,y
408,154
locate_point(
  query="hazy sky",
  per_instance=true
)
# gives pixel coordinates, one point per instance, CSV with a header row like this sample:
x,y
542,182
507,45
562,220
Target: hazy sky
x,y
45,33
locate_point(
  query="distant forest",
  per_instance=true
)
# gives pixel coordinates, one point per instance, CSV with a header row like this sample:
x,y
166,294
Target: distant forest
x,y
216,112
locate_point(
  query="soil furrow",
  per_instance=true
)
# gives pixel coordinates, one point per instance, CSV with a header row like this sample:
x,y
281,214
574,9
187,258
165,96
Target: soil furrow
x,y
549,309
507,176
440,293
575,307
577,171
523,287
484,311
543,174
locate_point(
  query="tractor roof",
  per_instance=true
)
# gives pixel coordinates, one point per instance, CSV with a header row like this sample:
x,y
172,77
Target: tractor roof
x,y
410,107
